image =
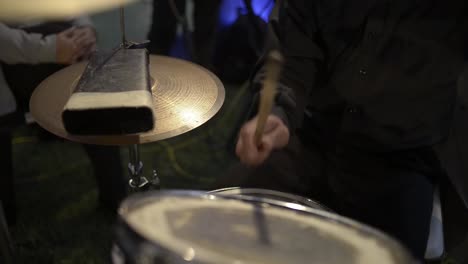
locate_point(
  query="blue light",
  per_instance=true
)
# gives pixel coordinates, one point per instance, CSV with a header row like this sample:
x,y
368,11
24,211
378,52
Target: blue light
x,y
230,9
179,49
262,8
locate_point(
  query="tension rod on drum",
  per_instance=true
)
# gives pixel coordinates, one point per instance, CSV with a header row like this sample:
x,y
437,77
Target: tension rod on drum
x,y
135,168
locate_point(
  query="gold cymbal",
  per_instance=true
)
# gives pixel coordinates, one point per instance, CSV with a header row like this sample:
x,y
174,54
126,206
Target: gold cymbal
x,y
185,96
24,10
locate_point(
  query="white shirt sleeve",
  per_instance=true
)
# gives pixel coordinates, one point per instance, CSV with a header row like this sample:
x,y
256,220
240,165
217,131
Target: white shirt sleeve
x,y
18,46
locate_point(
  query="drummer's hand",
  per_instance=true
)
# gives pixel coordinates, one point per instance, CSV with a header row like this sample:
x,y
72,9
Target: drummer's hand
x,y
275,136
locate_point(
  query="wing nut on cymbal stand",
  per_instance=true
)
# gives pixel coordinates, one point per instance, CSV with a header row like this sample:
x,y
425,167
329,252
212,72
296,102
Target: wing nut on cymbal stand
x,y
137,181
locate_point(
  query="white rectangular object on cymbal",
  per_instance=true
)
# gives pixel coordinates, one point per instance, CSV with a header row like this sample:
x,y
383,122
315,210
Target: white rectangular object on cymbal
x,y
112,96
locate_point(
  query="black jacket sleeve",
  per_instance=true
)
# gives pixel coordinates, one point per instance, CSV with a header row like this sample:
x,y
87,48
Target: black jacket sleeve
x,y
294,30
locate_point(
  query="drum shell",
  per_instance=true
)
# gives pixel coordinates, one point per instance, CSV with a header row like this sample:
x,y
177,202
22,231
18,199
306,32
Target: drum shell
x,y
128,247
132,248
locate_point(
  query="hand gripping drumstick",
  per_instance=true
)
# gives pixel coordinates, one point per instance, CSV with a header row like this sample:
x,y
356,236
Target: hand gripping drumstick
x,y
267,94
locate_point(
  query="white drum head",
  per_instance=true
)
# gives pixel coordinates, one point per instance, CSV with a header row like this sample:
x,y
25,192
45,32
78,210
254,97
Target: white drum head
x,y
210,229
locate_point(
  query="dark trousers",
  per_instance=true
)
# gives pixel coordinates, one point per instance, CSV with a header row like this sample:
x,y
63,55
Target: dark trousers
x,y
163,28
107,169
7,193
392,191
106,163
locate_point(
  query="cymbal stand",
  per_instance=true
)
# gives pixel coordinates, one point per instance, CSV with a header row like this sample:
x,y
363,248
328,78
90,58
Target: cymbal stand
x,y
122,28
137,181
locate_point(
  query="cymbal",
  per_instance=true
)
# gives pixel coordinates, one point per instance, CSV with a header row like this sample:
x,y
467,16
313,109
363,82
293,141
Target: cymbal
x,y
185,96
24,10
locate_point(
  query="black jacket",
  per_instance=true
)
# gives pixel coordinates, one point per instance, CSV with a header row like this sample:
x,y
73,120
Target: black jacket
x,y
391,67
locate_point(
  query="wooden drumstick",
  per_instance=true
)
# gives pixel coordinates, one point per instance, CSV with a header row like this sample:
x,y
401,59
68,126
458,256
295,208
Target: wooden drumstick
x,y
267,94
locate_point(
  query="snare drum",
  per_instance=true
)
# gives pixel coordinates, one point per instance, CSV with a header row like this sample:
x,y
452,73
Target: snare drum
x,y
196,227
270,194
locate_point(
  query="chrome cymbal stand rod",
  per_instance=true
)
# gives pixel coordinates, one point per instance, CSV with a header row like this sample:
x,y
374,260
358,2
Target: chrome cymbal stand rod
x,y
137,181
122,27
135,168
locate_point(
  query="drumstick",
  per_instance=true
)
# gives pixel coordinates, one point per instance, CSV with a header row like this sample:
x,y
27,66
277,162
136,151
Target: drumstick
x,y
267,94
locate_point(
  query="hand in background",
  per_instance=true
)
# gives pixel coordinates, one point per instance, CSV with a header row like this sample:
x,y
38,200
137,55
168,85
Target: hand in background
x,y
86,38
75,44
66,47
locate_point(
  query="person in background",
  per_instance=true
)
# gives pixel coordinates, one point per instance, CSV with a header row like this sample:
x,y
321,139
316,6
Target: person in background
x,y
30,53
168,13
